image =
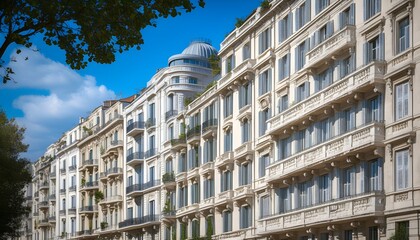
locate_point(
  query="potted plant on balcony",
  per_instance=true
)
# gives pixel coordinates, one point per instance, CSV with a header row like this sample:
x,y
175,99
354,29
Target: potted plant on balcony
x,y
83,182
104,225
63,234
183,231
265,4
239,22
98,196
209,230
167,177
173,232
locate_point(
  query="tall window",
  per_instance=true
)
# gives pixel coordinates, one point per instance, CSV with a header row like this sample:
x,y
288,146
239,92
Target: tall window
x,y
324,188
373,233
300,54
226,183
230,63
245,216
374,49
283,103
264,82
195,193
245,130
302,91
208,188
348,234
284,148
401,169
321,5
245,95
403,37
346,17
375,175
324,79
263,163
246,52
228,141
195,227
305,194
245,174
349,176
284,199
371,7
228,105
401,100
264,206
303,14
373,110
263,117
227,221
264,40
285,27
284,67
402,230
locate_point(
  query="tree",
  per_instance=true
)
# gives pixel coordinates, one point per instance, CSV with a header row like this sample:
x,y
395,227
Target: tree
x,y
14,175
92,30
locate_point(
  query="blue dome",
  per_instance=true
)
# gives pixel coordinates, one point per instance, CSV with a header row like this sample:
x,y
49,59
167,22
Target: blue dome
x,y
200,48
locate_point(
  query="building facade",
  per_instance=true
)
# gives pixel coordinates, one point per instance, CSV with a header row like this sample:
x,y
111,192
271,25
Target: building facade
x,y
309,132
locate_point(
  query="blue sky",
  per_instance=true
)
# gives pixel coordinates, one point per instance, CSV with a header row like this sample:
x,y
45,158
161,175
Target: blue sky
x,y
47,97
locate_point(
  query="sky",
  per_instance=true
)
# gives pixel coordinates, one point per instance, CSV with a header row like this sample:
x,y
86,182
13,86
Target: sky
x,y
47,97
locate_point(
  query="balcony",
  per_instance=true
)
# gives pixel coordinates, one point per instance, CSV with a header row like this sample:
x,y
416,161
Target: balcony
x,y
62,212
35,214
243,192
44,186
51,219
53,175
150,153
331,47
72,168
135,158
225,158
135,128
209,127
140,222
178,144
169,216
89,186
362,79
52,197
62,170
359,206
150,123
224,197
169,114
207,203
113,172
247,233
88,209
36,195
242,70
193,134
43,205
115,144
358,140
43,223
71,210
207,168
72,188
111,199
84,233
243,150
168,180
62,191
138,189
90,163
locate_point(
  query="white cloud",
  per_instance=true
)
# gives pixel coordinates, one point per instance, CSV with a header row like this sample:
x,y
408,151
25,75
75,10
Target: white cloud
x,y
69,96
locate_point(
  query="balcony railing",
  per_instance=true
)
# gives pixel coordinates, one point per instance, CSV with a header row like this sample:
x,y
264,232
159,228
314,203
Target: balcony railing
x,y
135,155
51,197
90,162
72,188
62,212
63,190
179,141
168,177
151,122
142,186
88,209
132,127
53,174
208,124
192,132
62,170
150,153
170,114
90,184
115,143
114,170
139,220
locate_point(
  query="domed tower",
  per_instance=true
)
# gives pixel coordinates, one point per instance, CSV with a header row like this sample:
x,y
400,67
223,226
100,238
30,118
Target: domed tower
x,y
197,53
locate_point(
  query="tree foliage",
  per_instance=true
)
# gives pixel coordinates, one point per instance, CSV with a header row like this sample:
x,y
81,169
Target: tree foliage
x,y
14,175
91,30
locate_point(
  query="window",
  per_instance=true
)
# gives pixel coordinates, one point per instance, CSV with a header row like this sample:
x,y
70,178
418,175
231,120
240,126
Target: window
x,y
371,7
192,80
401,170
347,65
346,17
208,188
373,110
264,207
228,105
175,79
284,67
305,194
302,91
401,100
283,103
321,5
246,52
227,221
349,176
195,193
182,167
264,40
284,200
402,230
263,118
209,150
245,94
228,141
375,175
303,14
374,49
195,227
300,54
373,233
284,147
348,120
245,130
324,188
209,225
183,196
226,183
403,38
245,174
264,161
324,79
348,234
230,63
264,82
245,217
285,27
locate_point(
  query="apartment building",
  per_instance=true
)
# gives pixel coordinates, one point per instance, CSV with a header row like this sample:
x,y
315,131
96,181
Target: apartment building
x,y
309,132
